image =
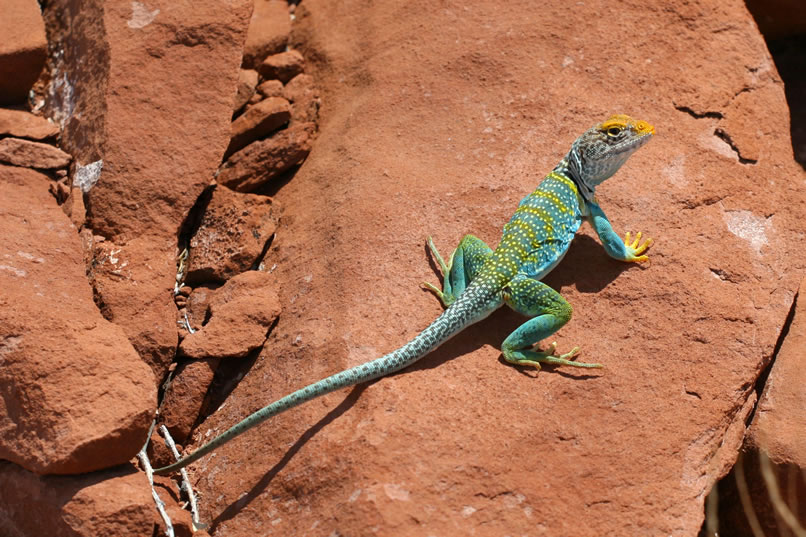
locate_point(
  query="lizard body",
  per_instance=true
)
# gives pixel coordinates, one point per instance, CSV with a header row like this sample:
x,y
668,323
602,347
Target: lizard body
x,y
478,280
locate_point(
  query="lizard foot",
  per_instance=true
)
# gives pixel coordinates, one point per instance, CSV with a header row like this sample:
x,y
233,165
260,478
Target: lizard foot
x,y
532,358
446,298
635,248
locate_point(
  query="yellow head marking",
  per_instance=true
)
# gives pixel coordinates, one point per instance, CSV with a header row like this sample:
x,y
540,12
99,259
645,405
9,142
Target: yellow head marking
x,y
620,122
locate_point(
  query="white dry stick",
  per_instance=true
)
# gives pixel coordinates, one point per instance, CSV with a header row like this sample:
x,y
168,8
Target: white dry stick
x,y
180,269
169,528
186,488
187,325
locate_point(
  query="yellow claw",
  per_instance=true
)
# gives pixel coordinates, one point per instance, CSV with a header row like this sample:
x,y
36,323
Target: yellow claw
x,y
636,247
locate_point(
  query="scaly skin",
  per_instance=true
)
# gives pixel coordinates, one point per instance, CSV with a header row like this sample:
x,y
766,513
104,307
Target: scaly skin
x,y
479,280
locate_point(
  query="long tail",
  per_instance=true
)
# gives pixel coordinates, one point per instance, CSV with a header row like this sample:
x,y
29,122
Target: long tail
x,y
457,317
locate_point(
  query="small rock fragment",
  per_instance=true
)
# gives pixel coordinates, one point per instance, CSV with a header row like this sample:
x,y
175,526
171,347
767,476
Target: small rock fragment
x,y
22,124
158,451
777,426
185,396
242,311
198,305
247,81
268,32
283,66
304,98
32,154
231,237
271,88
258,121
262,161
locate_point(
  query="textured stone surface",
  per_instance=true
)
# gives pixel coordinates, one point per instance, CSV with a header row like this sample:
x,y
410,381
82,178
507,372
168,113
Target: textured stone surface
x,y
23,124
437,122
113,502
181,519
32,154
241,312
22,49
258,121
231,237
147,90
198,305
777,426
134,284
268,31
74,396
247,82
261,161
304,97
184,398
271,88
283,66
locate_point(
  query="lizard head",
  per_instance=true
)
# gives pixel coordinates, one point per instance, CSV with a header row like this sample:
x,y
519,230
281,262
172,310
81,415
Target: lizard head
x,y
602,149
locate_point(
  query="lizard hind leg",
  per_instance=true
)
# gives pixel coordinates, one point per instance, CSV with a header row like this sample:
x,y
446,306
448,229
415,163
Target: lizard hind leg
x,y
465,263
549,312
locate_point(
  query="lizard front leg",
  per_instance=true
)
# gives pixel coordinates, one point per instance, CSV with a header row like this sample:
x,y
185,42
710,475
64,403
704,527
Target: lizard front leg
x,y
623,250
465,263
550,311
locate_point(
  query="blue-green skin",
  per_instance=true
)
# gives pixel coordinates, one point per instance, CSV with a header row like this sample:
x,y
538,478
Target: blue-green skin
x,y
479,280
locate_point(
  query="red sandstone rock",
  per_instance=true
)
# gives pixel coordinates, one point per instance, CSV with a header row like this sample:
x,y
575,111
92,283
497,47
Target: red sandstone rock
x,y
198,305
775,443
268,31
113,502
24,124
242,311
258,121
271,88
32,154
185,396
22,49
439,122
231,237
247,81
134,285
159,454
264,160
302,93
283,66
75,395
181,519
155,109
777,426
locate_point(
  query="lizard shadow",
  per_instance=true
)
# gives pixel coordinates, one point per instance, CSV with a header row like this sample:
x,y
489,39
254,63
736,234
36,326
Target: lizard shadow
x,y
586,267
258,488
584,254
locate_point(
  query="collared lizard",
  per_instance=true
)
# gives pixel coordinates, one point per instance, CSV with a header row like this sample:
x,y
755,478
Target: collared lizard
x,y
478,280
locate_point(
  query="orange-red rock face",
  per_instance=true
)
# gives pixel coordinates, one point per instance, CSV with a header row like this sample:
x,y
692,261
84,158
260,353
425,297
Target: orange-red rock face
x,y
147,90
76,397
438,119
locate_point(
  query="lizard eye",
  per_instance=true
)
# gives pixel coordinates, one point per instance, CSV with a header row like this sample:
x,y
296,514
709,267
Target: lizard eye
x,y
613,131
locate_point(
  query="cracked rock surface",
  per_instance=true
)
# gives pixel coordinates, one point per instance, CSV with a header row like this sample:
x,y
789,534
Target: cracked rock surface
x,y
443,136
